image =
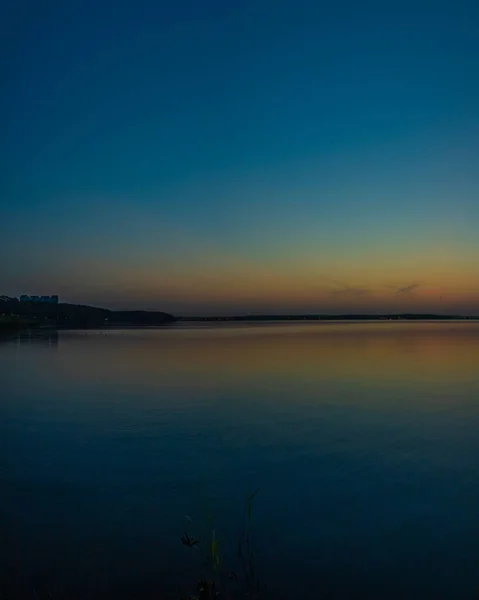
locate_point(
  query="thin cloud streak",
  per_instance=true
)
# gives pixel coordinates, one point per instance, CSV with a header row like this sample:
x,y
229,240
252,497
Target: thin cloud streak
x,y
344,289
407,289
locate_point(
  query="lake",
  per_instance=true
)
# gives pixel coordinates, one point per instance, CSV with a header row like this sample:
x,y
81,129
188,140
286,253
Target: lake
x,y
363,439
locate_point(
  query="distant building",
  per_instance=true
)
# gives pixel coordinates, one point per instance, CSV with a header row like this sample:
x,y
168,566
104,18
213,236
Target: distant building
x,y
41,299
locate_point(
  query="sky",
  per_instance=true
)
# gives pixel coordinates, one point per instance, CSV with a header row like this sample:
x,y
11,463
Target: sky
x,y
253,156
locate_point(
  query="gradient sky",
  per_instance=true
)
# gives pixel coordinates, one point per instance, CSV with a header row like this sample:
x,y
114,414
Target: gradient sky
x,y
221,157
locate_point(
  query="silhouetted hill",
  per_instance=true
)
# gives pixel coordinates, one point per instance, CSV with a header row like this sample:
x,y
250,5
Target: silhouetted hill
x,y
77,315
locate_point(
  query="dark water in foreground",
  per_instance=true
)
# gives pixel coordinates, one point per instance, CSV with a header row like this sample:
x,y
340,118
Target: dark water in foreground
x,y
364,440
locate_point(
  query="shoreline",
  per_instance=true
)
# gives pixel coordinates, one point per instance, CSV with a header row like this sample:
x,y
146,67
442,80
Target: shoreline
x,y
333,318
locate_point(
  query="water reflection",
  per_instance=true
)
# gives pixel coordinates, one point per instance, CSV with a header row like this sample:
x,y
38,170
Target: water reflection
x,y
362,438
48,338
368,354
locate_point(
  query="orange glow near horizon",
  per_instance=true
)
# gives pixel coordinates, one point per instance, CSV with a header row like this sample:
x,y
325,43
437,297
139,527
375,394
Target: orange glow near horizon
x,y
228,285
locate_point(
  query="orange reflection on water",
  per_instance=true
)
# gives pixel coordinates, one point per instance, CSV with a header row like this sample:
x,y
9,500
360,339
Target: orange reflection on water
x,y
400,353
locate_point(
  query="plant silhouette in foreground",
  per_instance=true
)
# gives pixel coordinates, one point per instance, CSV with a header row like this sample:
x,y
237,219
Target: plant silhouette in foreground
x,y
224,583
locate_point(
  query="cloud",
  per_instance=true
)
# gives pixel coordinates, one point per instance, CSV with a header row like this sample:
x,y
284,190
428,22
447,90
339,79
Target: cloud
x,y
406,289
351,291
343,289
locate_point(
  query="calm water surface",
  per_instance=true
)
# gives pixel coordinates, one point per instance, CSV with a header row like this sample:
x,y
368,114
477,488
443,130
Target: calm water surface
x,y
363,439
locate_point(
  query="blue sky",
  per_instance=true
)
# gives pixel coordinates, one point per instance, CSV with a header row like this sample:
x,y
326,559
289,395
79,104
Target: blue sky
x,y
214,157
